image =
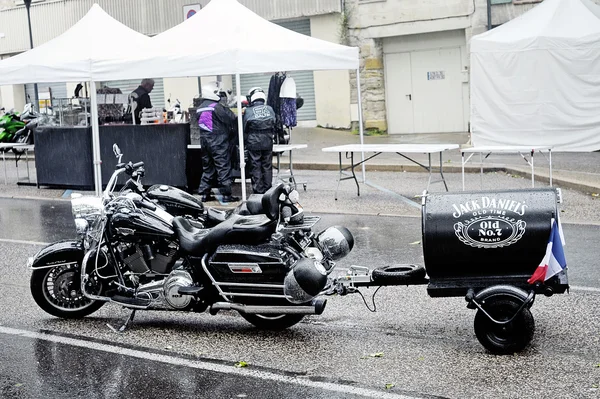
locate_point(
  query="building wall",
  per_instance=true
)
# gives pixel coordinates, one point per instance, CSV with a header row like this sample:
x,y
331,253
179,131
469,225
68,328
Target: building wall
x,y
332,88
369,21
146,16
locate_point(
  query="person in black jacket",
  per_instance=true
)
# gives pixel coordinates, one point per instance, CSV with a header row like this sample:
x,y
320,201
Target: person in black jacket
x,y
141,98
259,128
217,130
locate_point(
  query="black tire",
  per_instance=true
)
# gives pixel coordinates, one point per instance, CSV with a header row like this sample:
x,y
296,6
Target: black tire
x,y
504,339
398,274
273,322
67,300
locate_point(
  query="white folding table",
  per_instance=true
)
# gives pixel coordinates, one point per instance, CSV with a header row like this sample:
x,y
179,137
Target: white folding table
x,y
521,150
279,149
400,149
4,147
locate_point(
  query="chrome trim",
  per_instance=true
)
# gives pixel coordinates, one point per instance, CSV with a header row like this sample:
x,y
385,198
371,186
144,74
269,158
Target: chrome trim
x,y
257,295
249,285
251,309
203,262
47,266
84,279
237,268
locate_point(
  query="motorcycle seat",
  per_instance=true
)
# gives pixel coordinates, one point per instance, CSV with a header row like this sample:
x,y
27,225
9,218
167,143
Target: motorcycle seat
x,y
249,230
215,216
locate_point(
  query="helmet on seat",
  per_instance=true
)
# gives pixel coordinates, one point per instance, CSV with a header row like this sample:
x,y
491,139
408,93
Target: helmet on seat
x,y
256,93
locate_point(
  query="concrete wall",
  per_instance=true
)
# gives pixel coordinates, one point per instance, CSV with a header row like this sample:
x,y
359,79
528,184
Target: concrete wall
x,y
12,96
332,88
371,21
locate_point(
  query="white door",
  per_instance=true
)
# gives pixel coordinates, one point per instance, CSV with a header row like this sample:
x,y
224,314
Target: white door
x,y
437,91
398,89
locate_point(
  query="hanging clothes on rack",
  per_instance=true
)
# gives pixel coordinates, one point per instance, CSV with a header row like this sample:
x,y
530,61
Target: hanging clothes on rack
x,y
288,109
274,101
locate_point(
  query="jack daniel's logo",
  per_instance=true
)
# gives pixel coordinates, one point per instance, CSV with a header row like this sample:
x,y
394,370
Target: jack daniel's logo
x,y
489,222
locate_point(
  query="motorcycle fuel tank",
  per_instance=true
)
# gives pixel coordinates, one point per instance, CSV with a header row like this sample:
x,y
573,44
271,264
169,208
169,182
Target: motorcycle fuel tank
x,y
177,202
131,225
478,239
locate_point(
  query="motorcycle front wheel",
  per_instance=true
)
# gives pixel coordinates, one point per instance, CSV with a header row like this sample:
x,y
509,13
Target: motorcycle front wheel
x,y
57,291
273,322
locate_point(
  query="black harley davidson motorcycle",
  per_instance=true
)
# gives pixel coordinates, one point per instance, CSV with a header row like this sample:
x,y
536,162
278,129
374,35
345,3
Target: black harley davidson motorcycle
x,y
270,267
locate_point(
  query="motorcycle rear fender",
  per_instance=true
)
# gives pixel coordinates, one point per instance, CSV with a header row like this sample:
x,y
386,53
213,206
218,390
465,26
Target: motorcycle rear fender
x,y
57,254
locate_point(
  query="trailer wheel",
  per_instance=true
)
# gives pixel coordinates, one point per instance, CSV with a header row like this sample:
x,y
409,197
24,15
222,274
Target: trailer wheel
x,y
398,274
503,339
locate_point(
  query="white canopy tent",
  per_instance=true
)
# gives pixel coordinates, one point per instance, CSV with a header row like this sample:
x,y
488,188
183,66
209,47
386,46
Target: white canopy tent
x,y
251,45
536,79
70,57
228,39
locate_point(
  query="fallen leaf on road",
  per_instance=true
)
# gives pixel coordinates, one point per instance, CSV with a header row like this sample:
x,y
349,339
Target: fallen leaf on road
x,y
241,364
378,354
389,386
18,385
415,243
595,195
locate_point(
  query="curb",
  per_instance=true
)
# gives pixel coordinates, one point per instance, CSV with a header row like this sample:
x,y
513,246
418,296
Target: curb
x,y
556,181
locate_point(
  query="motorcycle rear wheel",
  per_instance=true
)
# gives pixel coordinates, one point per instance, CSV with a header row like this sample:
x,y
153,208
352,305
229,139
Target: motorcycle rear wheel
x,y
58,292
274,322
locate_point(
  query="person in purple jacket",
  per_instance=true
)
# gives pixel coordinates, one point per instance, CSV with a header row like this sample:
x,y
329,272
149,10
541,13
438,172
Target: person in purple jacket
x,y
217,129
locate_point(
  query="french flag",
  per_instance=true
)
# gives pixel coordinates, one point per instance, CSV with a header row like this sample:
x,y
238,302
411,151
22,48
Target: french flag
x,y
554,260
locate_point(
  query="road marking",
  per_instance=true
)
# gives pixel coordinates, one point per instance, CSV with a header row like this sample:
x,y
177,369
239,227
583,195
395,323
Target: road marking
x,y
589,289
201,365
395,194
23,242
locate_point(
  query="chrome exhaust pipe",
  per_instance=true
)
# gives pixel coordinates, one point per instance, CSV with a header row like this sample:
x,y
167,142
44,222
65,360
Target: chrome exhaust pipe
x,y
317,307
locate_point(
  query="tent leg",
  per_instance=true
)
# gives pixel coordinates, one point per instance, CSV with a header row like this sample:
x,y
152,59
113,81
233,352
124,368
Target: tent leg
x,y
360,122
95,139
238,87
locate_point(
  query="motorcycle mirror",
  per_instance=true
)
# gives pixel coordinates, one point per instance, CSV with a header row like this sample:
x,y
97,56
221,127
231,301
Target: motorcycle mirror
x,y
117,151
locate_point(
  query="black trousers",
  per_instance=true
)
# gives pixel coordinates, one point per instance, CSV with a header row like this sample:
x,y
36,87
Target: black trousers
x,y
261,170
216,163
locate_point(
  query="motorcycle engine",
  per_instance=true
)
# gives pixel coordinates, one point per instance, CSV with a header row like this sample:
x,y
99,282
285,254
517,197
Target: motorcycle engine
x,y
145,257
176,279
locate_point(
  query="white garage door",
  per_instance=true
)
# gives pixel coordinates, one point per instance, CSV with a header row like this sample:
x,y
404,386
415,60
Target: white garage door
x,y
424,90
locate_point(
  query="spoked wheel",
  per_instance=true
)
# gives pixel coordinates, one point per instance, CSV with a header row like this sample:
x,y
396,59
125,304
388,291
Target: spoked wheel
x,y
57,291
503,339
273,321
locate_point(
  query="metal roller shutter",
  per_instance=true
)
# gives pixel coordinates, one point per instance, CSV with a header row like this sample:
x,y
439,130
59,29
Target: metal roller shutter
x,y
59,90
305,82
127,86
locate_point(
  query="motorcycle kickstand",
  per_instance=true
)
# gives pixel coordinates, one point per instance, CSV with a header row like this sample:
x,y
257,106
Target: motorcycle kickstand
x,y
124,326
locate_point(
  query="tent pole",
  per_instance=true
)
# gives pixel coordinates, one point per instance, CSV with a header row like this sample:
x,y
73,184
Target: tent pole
x,y
238,88
360,122
95,139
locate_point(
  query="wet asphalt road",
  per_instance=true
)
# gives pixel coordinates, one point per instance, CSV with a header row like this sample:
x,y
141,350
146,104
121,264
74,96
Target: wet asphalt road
x,y
428,344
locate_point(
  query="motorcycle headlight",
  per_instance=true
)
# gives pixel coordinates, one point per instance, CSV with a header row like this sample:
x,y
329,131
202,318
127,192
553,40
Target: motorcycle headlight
x,y
304,281
81,226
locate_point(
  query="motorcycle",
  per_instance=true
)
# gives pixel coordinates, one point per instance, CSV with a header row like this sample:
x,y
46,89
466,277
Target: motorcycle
x,y
10,123
32,120
271,267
